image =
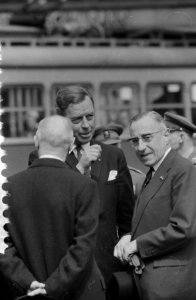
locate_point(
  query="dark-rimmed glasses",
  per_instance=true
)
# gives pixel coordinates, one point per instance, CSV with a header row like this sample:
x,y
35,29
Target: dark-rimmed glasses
x,y
175,130
146,138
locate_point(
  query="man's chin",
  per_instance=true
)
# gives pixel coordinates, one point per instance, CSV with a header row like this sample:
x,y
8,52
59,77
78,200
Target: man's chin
x,y
84,140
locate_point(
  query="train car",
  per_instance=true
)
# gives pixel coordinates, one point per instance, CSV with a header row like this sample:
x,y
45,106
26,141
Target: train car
x,y
125,76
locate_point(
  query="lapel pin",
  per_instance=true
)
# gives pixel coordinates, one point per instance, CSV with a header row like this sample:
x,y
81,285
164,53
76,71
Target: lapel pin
x,y
162,178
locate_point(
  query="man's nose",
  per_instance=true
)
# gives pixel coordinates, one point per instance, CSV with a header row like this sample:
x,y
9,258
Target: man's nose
x,y
141,145
85,122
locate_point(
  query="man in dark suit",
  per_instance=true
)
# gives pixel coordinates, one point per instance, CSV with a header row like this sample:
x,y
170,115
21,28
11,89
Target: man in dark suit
x,y
51,221
107,166
163,235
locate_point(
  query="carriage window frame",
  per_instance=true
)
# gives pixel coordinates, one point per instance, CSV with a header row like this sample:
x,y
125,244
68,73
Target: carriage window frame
x,y
193,103
118,85
23,96
162,107
125,104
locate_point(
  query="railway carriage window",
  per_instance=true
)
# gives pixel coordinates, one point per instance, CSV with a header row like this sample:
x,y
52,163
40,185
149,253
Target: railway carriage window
x,y
121,102
58,86
164,97
193,102
22,109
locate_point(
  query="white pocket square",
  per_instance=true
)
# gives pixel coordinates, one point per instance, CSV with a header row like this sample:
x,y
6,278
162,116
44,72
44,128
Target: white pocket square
x,y
112,175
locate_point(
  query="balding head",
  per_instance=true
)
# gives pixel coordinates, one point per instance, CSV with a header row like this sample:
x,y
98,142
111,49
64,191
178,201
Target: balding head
x,y
54,136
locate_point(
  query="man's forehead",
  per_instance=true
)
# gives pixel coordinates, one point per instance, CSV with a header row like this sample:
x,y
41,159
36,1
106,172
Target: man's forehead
x,y
80,109
144,125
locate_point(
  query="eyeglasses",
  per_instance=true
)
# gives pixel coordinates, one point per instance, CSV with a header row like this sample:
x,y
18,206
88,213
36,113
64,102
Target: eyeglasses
x,y
146,138
174,130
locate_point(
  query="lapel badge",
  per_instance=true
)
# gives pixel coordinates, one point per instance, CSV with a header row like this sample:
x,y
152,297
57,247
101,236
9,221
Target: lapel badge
x,y
162,178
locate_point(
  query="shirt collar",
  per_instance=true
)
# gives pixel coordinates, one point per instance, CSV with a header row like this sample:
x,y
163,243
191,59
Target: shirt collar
x,y
51,156
73,147
155,167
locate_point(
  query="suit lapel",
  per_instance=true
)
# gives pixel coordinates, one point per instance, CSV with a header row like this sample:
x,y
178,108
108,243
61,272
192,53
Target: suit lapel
x,y
96,165
48,162
96,168
151,189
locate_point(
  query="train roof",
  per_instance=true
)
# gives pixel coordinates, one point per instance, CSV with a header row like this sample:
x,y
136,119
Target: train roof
x,y
48,5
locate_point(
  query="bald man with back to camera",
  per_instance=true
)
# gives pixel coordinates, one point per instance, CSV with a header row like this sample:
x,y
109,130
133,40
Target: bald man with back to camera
x,y
51,223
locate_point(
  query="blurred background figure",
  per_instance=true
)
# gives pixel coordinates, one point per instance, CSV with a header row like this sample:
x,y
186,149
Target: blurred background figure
x,y
124,119
182,135
111,134
31,122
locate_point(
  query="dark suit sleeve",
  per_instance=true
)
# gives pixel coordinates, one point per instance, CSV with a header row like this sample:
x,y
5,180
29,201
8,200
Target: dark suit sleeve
x,y
14,270
75,264
181,226
11,265
125,197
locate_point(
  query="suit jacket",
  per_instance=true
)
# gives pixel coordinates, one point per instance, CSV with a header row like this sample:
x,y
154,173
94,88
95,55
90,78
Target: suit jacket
x,y
164,225
52,214
116,207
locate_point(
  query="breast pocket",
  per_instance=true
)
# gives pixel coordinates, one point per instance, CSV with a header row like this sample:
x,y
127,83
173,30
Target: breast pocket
x,y
109,182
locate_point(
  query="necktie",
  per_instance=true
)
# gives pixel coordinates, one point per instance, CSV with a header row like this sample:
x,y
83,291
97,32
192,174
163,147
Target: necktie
x,y
79,152
148,177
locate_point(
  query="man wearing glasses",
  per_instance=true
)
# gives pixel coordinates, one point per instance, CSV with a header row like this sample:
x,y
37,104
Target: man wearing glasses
x,y
163,236
182,135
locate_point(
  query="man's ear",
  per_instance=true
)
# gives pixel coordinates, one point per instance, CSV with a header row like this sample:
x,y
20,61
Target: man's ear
x,y
167,132
182,136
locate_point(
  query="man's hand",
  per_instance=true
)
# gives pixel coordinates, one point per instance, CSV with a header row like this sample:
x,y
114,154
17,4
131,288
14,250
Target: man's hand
x,y
91,153
36,288
118,249
128,249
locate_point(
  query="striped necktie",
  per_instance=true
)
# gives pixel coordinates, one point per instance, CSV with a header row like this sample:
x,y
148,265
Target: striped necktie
x,y
148,177
79,152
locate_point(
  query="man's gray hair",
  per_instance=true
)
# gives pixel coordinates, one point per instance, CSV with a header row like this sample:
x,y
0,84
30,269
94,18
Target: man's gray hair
x,y
153,114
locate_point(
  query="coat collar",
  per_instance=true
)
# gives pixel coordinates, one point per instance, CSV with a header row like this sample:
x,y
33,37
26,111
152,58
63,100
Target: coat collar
x,y
152,188
50,162
192,155
96,165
